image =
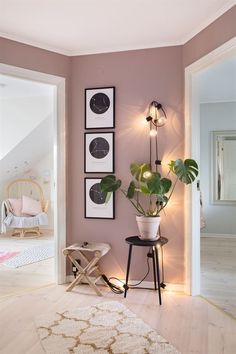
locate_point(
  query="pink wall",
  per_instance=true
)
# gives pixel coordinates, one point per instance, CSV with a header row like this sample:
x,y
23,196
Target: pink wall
x,y
139,77
217,33
32,58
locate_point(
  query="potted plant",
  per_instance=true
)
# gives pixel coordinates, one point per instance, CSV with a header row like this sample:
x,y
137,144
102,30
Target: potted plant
x,y
149,192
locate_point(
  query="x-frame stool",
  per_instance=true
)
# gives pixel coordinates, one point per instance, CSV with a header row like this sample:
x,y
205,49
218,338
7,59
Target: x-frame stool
x,y
79,250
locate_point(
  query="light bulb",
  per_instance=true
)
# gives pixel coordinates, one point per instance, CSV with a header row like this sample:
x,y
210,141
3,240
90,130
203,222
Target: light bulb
x,y
153,132
161,121
147,174
152,111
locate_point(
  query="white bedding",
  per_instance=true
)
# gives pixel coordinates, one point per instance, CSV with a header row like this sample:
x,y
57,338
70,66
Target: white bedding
x,y
26,222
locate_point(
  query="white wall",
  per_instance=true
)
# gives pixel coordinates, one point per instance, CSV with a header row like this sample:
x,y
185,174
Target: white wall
x,y
220,219
19,116
42,172
26,134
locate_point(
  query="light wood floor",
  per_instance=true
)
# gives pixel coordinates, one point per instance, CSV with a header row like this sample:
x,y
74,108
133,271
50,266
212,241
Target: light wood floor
x,y
191,324
218,272
33,275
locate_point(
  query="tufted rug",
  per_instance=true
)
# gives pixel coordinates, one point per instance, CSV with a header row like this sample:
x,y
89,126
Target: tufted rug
x,y
108,327
5,255
31,255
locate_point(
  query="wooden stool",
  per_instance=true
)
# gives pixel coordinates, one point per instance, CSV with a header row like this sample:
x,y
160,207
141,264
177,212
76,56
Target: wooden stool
x,y
99,250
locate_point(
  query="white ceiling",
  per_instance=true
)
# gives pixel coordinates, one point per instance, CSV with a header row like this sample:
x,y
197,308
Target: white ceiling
x,y
75,27
12,87
218,83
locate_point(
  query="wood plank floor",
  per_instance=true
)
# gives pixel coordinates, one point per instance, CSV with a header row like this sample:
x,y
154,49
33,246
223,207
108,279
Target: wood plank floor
x,y
16,280
218,272
191,324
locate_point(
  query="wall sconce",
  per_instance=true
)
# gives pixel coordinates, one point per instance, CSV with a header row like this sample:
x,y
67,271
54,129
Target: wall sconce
x,y
156,114
156,118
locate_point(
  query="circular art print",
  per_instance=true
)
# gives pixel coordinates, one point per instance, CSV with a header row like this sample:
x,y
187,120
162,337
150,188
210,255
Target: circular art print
x,y
96,195
99,103
99,148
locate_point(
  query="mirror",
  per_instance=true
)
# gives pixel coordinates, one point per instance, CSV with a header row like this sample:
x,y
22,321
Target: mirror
x,y
224,167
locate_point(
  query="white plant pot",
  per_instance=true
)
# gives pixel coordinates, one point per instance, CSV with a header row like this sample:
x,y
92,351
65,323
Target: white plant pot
x,y
148,227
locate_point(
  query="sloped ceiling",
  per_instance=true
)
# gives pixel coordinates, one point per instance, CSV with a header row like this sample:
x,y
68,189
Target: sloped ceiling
x,y
28,152
26,124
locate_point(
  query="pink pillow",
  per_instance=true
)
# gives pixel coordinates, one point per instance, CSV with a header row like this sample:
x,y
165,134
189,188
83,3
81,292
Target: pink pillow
x,y
16,206
31,206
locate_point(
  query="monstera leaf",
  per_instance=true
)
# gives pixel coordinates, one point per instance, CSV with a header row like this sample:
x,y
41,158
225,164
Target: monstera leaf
x,y
165,184
137,171
154,183
131,190
186,170
157,185
110,184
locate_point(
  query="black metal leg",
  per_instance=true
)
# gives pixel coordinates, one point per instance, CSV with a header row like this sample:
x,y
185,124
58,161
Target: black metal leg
x,y
158,275
154,268
128,268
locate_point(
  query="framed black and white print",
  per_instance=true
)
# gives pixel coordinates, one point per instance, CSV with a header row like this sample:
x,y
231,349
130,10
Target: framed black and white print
x,y
99,152
100,108
95,205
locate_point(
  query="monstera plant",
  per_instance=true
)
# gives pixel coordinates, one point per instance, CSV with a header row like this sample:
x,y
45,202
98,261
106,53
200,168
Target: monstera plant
x,y
149,192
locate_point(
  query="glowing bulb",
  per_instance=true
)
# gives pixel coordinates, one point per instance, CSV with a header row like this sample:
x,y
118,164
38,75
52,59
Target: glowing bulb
x,y
152,111
147,174
161,121
153,132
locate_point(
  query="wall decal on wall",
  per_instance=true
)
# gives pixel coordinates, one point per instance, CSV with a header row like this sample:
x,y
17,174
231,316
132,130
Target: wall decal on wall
x,y
100,108
95,206
99,152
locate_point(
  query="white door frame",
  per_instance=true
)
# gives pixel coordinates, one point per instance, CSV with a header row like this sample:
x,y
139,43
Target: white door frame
x,y
59,153
192,149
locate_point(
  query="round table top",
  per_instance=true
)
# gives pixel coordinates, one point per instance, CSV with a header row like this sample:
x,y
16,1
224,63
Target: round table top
x,y
136,241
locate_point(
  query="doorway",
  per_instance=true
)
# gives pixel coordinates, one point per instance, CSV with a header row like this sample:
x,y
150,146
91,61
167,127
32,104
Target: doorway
x,y
192,148
59,153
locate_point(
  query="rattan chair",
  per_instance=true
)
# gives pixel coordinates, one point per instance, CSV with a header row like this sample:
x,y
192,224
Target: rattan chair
x,y
29,188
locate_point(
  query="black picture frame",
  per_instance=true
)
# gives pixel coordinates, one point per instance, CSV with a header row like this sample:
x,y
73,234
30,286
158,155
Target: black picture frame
x,y
100,107
99,152
94,203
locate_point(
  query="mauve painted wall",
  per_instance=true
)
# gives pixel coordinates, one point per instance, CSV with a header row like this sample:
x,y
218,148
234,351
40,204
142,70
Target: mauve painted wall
x,y
32,58
139,77
216,34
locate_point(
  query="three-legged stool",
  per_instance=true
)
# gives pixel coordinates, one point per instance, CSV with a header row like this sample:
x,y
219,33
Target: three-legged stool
x,y
78,250
153,245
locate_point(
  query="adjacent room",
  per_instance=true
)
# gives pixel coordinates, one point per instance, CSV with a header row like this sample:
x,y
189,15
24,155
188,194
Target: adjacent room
x,y
26,185
117,177
217,91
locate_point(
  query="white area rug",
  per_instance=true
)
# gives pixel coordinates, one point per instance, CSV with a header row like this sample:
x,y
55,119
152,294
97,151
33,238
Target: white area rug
x,y
31,255
108,327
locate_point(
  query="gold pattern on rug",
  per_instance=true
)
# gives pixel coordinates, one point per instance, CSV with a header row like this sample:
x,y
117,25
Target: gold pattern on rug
x,y
106,328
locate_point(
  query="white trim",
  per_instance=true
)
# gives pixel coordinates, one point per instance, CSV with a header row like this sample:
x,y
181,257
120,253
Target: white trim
x,y
209,20
59,158
218,101
181,41
72,53
192,136
147,284
205,235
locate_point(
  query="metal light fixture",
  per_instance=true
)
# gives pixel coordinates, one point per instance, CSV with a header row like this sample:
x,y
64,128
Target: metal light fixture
x,y
156,118
156,114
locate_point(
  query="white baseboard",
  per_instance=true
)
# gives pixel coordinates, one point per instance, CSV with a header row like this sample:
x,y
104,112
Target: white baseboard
x,y
147,284
218,235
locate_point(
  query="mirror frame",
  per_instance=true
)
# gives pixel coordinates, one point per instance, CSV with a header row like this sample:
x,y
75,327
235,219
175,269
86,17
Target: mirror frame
x,y
213,175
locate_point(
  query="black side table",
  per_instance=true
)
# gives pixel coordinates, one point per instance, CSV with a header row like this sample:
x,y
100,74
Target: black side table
x,y
136,241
